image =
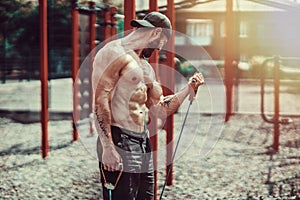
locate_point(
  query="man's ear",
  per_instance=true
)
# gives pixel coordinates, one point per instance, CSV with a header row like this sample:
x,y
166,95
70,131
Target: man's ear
x,y
157,32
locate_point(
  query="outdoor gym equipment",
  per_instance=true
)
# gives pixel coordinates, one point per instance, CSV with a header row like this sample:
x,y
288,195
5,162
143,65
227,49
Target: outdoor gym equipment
x,y
276,120
109,30
44,77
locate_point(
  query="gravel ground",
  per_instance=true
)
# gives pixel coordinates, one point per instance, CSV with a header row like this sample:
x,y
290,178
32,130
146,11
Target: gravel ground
x,y
239,163
240,166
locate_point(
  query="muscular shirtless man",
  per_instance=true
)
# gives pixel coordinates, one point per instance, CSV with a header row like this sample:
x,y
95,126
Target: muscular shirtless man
x,y
125,91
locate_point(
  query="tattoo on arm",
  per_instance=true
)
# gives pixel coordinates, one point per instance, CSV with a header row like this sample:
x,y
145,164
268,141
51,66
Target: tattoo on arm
x,y
101,123
167,100
168,105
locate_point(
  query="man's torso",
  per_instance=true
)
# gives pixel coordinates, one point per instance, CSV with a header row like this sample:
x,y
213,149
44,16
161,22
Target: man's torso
x,y
129,96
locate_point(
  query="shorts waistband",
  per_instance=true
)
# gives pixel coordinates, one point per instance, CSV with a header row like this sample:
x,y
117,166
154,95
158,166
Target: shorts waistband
x,y
131,134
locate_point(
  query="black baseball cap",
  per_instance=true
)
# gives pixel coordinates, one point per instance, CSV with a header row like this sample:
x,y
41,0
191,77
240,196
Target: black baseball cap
x,y
152,20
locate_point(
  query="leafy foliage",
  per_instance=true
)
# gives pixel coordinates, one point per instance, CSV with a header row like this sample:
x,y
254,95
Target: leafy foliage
x,y
20,34
12,15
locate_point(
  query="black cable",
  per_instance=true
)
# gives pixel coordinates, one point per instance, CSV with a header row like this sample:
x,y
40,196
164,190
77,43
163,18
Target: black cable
x,y
173,157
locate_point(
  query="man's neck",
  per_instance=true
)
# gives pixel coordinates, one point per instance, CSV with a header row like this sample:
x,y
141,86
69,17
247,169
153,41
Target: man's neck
x,y
135,41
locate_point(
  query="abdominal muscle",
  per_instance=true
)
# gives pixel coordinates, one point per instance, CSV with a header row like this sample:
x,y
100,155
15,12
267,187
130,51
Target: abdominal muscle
x,y
128,103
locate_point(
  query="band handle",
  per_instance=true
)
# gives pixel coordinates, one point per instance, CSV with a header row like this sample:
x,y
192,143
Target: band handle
x,y
111,186
193,93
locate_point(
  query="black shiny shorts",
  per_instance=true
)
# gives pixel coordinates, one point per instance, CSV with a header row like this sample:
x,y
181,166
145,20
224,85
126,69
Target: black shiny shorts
x,y
137,179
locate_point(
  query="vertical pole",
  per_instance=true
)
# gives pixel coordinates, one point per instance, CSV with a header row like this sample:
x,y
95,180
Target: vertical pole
x,y
44,76
92,22
75,66
107,24
129,12
276,103
229,69
113,20
237,56
92,26
153,6
171,79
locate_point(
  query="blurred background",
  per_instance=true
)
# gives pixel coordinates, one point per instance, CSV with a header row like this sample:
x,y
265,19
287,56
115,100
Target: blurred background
x,y
261,29
252,47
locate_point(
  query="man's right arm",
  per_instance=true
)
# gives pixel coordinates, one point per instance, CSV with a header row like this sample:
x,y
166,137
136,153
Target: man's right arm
x,y
104,88
103,116
110,157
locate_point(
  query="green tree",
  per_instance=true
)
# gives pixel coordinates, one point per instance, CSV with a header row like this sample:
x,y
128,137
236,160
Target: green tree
x,y
27,43
12,13
59,38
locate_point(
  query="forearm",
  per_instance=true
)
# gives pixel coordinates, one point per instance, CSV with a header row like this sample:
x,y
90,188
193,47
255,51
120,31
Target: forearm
x,y
102,123
170,104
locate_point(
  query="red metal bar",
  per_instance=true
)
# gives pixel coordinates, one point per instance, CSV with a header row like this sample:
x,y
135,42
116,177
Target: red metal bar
x,y
229,69
113,19
107,24
75,67
92,26
153,6
170,120
276,104
129,12
168,126
262,90
44,76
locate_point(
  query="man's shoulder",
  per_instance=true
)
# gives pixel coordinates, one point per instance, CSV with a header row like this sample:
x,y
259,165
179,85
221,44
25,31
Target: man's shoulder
x,y
113,57
111,51
113,47
115,52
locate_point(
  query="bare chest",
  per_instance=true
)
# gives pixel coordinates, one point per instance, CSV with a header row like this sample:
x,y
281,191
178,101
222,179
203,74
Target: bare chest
x,y
131,75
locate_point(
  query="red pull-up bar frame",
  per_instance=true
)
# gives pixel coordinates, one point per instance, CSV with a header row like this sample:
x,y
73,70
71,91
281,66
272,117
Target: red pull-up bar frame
x,y
44,115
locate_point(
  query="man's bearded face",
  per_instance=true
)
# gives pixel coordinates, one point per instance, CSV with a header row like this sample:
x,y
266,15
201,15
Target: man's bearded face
x,y
147,52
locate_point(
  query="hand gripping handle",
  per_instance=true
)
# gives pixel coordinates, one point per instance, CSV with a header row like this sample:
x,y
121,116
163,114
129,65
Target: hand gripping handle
x,y
193,93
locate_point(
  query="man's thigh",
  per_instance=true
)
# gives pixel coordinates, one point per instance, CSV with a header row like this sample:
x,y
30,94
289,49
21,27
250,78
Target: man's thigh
x,y
146,189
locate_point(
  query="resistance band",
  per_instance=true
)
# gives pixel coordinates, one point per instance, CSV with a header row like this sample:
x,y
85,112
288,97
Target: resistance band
x,y
110,186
